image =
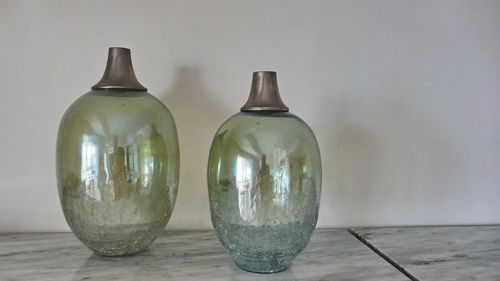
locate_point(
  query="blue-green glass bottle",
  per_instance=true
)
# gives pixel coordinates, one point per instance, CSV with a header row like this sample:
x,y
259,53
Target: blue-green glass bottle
x,y
117,163
264,181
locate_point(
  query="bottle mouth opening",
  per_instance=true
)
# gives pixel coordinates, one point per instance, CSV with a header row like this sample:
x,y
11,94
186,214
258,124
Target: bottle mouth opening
x,y
265,72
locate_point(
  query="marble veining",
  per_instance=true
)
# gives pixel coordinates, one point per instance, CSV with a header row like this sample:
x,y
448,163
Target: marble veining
x,y
441,253
331,255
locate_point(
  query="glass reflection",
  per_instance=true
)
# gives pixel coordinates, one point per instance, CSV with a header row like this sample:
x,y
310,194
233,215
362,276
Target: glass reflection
x,y
281,176
244,185
122,170
90,166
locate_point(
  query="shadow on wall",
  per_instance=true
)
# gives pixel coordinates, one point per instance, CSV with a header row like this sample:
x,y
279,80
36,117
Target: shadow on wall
x,y
380,156
197,116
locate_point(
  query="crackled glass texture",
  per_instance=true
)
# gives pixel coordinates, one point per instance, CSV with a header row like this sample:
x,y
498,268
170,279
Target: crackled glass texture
x,y
264,180
117,169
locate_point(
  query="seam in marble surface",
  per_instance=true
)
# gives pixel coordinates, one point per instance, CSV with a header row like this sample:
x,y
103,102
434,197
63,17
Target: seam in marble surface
x,y
382,255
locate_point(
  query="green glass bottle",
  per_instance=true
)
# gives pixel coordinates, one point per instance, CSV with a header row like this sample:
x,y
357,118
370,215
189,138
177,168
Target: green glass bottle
x,y
264,181
117,163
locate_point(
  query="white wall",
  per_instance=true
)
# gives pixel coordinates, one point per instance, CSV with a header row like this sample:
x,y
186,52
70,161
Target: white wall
x,y
404,97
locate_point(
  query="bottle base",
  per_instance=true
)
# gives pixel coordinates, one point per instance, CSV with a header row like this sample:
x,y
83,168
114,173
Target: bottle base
x,y
118,253
265,266
119,248
117,241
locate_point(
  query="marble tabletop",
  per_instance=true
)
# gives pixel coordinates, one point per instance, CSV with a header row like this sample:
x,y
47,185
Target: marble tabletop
x,y
332,254
439,253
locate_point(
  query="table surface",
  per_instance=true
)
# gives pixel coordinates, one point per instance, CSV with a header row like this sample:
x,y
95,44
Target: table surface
x,y
405,253
331,255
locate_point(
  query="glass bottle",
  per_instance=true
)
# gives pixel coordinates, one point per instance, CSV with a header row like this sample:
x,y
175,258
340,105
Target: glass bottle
x,y
117,162
264,181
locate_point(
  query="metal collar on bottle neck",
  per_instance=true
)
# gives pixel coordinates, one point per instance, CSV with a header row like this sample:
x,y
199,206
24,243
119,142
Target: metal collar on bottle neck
x,y
264,94
119,73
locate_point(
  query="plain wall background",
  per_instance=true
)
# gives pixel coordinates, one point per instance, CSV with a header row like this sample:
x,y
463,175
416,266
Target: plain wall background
x,y
404,97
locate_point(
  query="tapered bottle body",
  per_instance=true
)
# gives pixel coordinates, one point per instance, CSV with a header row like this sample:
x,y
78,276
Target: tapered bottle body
x,y
117,163
264,181
117,169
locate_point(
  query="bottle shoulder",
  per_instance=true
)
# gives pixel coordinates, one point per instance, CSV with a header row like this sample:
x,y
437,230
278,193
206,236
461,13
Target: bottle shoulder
x,y
244,121
273,129
109,108
116,102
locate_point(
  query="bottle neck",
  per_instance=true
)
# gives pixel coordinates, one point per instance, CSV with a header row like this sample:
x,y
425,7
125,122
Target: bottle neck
x,y
264,94
119,73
